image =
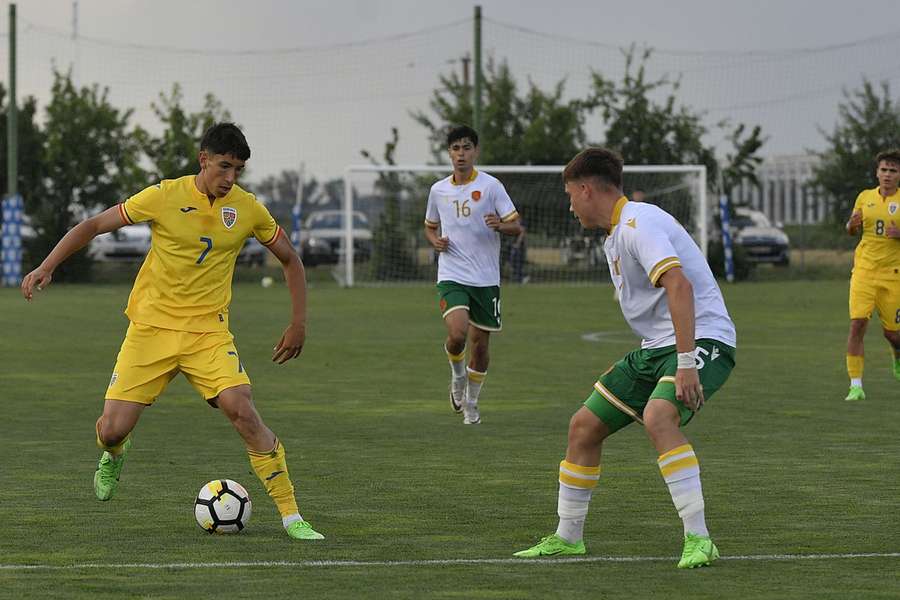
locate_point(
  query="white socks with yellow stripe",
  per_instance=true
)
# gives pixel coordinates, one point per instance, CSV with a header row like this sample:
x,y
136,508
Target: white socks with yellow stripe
x,y
476,380
680,469
576,484
457,363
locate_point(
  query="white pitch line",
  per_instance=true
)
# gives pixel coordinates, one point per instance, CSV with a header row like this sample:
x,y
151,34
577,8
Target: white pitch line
x,y
433,563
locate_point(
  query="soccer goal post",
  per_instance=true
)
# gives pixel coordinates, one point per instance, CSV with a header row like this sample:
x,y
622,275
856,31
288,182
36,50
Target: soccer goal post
x,y
383,240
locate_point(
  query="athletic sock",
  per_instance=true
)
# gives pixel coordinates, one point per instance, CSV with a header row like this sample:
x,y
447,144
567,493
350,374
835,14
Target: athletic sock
x,y
476,380
271,468
576,484
457,363
855,366
113,450
681,471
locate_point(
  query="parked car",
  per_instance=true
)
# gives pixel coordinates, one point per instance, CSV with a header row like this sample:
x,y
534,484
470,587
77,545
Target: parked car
x,y
322,235
124,244
253,253
132,243
761,241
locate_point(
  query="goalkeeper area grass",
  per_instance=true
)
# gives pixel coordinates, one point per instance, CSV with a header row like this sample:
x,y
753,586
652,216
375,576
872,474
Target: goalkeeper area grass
x,y
801,487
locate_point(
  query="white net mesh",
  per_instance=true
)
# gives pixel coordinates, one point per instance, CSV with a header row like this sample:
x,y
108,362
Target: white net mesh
x,y
389,244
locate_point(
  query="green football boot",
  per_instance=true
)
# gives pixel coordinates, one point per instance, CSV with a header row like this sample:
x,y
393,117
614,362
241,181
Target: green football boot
x,y
698,551
856,393
106,477
301,530
552,545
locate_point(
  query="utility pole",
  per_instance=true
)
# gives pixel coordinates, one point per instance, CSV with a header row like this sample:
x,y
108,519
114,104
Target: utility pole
x,y
75,42
476,101
466,59
12,113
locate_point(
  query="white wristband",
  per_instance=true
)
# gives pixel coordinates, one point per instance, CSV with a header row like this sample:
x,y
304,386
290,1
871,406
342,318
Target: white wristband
x,y
686,360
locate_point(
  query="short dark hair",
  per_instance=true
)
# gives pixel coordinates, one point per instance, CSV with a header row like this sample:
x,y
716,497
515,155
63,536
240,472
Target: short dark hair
x,y
461,132
892,155
225,138
602,163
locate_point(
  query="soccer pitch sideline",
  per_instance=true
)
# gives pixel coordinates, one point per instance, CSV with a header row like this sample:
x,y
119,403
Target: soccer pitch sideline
x,y
801,488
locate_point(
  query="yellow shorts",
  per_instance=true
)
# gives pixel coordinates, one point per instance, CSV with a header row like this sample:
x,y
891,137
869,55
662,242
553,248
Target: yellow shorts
x,y
151,357
868,293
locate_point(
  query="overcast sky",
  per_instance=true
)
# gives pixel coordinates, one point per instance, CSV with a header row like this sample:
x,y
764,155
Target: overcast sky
x,y
354,72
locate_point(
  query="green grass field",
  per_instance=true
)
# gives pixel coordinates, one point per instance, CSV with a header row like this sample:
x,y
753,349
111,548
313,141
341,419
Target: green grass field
x,y
416,505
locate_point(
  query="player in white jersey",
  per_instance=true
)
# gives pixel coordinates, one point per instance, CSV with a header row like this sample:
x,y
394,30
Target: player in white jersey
x,y
670,299
466,212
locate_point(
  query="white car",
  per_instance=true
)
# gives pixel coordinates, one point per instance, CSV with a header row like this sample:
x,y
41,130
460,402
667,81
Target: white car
x,y
129,243
762,241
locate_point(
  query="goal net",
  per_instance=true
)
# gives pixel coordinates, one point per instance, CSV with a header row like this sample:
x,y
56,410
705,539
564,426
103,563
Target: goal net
x,y
384,241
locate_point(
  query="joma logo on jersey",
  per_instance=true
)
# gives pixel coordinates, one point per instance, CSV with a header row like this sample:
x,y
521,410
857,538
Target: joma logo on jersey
x,y
229,216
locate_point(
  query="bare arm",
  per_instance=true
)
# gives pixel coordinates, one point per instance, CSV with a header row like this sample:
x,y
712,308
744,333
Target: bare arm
x,y
291,343
855,223
75,239
508,228
680,296
892,231
434,238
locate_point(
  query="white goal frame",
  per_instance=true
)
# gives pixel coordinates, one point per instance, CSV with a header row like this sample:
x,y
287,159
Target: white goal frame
x,y
701,196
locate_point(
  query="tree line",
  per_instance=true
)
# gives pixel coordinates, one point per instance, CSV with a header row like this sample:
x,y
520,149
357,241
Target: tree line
x,y
86,154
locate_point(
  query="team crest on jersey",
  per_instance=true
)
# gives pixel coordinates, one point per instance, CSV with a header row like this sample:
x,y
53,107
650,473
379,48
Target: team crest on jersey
x,y
229,216
476,195
892,207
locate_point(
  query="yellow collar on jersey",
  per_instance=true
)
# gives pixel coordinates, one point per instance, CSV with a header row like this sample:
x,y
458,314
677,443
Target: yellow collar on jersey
x,y
617,212
886,198
469,180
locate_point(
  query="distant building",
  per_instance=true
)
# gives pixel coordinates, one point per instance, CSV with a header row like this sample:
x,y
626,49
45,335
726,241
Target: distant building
x,y
785,192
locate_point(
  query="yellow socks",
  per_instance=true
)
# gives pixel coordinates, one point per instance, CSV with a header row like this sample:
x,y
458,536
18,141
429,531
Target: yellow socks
x,y
271,468
855,369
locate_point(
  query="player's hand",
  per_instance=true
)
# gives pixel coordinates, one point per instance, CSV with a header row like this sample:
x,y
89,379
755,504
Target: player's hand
x,y
688,389
291,344
855,221
441,244
39,278
493,221
892,231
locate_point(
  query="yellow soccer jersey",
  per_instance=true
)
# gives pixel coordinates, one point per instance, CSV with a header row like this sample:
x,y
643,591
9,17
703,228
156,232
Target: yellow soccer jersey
x,y
876,252
185,281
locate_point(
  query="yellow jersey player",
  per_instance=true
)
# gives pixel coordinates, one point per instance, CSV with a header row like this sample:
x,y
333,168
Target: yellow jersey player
x,y
178,310
875,283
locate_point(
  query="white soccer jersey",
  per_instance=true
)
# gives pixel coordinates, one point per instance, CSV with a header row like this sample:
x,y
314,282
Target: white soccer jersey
x,y
473,255
645,242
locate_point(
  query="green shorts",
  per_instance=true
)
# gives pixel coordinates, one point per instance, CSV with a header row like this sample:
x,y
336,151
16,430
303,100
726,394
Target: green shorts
x,y
483,303
648,374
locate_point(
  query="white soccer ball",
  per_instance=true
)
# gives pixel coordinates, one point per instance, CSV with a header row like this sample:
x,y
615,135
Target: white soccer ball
x,y
267,281
222,506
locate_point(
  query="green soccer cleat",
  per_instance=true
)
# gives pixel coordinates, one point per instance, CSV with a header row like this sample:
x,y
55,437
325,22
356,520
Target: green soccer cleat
x,y
106,477
552,545
698,551
301,530
856,393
